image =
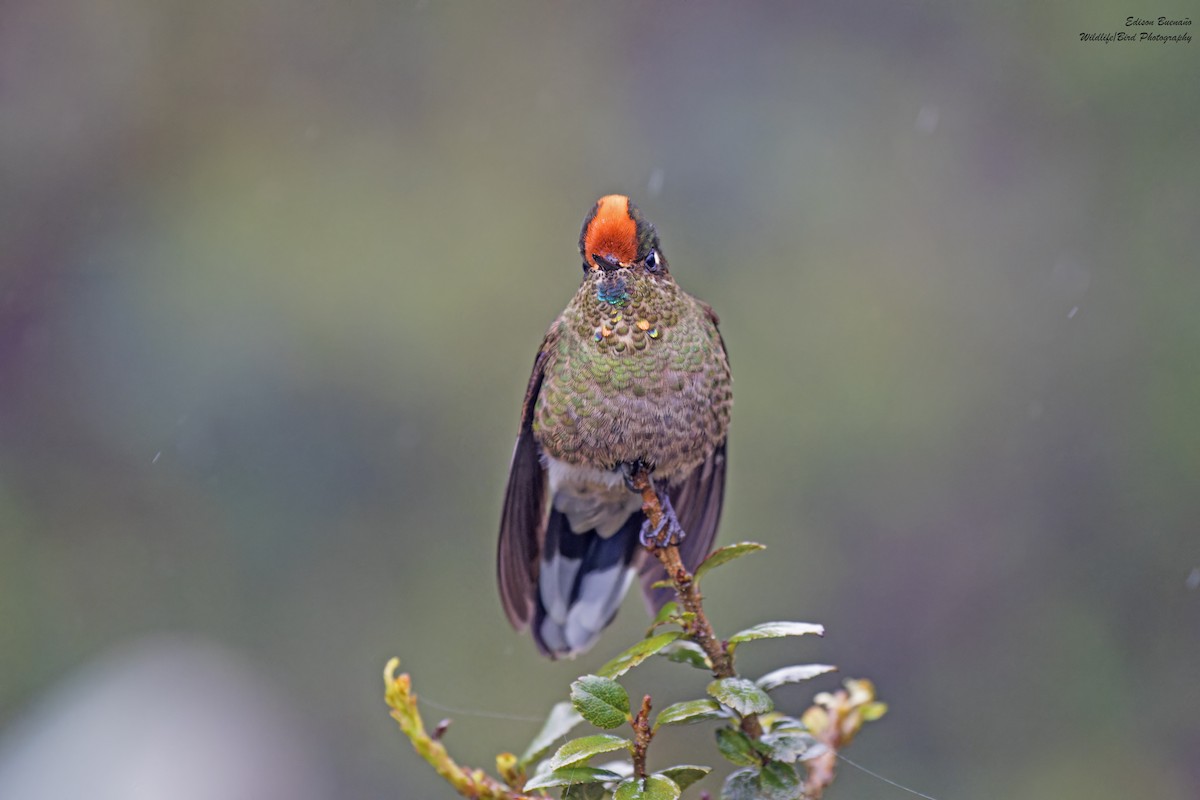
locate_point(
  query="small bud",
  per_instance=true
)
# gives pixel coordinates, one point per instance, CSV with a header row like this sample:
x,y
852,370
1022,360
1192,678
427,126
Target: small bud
x,y
507,766
440,730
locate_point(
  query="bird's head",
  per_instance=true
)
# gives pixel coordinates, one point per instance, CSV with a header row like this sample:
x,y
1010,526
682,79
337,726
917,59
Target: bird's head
x,y
616,236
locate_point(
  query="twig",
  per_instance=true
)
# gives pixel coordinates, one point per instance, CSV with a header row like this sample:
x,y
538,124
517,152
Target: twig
x,y
698,629
642,733
472,783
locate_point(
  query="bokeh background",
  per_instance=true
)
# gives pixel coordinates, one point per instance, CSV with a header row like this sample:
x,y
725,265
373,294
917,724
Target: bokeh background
x,y
272,276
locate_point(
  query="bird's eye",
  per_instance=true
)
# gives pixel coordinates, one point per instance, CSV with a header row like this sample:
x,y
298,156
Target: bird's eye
x,y
651,261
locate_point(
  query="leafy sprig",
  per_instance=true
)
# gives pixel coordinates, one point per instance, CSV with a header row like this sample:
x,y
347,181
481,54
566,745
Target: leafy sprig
x,y
778,757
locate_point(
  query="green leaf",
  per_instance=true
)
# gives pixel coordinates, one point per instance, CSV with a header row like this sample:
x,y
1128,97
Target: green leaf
x,y
723,555
585,791
558,724
873,711
741,785
737,747
776,723
775,630
663,617
788,747
669,614
661,787
578,750
601,701
685,775
569,776
652,787
637,654
687,712
778,781
622,766
800,672
816,751
741,695
663,584
686,652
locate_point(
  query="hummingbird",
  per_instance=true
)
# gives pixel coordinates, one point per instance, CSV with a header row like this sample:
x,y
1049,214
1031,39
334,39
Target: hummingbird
x,y
632,377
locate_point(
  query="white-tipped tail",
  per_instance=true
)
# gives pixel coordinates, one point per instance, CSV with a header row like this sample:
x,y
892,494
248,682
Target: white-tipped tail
x,y
582,579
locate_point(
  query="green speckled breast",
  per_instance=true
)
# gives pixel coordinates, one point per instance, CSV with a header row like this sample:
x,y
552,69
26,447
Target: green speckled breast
x,y
638,375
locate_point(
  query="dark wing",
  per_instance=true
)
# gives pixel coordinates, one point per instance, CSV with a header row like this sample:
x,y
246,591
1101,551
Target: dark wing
x,y
523,519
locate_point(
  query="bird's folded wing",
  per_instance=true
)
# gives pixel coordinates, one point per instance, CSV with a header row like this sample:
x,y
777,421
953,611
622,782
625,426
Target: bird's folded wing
x,y
522,523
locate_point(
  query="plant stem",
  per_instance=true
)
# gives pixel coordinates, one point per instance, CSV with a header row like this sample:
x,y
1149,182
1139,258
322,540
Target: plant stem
x,y
642,734
699,629
473,783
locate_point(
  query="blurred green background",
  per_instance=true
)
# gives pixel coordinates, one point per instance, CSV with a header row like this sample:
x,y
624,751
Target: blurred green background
x,y
272,276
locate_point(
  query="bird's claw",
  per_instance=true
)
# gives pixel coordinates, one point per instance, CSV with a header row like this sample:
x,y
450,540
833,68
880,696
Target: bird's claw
x,y
668,532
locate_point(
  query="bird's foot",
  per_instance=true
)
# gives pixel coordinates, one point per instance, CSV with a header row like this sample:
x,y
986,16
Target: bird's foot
x,y
668,533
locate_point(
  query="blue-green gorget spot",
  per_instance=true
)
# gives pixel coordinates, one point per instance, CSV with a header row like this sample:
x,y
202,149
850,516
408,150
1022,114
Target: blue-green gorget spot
x,y
613,292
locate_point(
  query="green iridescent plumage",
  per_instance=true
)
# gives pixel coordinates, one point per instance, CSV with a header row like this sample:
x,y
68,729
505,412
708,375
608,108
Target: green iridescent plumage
x,y
646,380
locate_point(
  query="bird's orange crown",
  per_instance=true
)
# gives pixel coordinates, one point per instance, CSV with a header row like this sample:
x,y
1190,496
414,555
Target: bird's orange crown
x,y
610,230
